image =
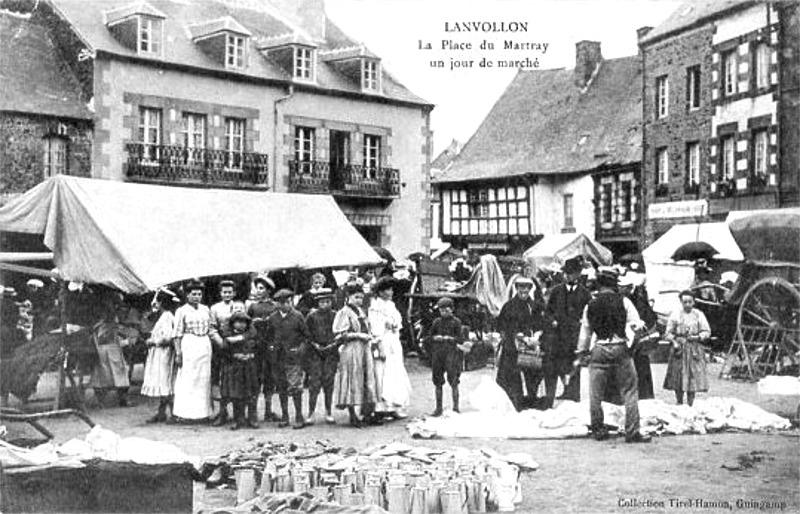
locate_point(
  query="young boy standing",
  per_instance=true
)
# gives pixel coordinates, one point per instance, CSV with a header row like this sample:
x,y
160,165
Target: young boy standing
x,y
323,358
446,357
288,333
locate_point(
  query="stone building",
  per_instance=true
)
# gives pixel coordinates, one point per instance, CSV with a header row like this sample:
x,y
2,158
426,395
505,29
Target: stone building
x,y
559,152
263,95
45,124
712,113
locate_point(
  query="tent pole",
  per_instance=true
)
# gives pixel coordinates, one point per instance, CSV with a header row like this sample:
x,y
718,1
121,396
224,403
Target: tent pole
x,y
62,296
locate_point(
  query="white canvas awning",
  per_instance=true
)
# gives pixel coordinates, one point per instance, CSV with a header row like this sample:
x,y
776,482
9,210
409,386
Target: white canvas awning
x,y
559,248
716,234
137,237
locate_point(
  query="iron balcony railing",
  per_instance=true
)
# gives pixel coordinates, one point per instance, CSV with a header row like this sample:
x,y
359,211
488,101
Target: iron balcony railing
x,y
343,180
196,166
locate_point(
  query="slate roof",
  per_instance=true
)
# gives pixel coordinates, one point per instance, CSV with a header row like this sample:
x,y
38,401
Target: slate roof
x,y
544,124
693,13
88,19
32,79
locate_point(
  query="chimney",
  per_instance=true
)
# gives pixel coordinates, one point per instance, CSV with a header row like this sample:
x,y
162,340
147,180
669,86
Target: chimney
x,y
642,32
587,58
307,14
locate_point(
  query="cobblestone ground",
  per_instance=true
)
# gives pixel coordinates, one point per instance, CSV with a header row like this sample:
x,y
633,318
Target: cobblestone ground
x,y
578,475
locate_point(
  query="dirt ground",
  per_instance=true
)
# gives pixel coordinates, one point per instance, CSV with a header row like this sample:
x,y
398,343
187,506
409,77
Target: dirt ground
x,y
673,473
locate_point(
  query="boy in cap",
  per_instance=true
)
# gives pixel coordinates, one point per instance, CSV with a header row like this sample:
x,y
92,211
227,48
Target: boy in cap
x,y
287,331
446,357
259,310
323,358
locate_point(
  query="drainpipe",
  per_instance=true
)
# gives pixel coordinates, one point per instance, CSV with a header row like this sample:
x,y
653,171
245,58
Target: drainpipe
x,y
276,136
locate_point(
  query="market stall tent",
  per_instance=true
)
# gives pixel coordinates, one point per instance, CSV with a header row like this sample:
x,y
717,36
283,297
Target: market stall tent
x,y
138,237
558,248
716,234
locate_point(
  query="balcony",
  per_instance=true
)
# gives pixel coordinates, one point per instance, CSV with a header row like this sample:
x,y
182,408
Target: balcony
x,y
691,189
350,180
178,165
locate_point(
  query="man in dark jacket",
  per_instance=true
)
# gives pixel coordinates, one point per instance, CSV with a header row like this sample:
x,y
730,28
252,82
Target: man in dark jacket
x,y
611,318
564,310
287,331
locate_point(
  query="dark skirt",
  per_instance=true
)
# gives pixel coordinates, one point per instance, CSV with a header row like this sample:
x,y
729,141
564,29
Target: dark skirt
x,y
239,379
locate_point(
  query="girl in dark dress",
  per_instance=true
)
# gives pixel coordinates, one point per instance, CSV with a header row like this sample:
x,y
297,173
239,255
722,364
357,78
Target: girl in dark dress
x,y
239,381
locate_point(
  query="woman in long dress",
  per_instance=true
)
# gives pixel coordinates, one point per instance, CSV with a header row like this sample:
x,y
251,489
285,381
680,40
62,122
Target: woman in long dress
x,y
159,369
355,376
385,322
193,357
687,328
111,370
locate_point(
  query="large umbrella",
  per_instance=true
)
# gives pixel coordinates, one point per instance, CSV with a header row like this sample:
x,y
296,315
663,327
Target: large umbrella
x,y
384,254
694,251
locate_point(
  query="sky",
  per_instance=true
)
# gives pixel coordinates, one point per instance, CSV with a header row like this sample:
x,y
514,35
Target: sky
x,y
396,29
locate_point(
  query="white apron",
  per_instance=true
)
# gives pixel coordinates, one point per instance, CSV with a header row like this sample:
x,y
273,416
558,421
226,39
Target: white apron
x,y
193,382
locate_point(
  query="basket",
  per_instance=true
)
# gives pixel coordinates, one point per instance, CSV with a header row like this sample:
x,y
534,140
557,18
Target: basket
x,y
529,359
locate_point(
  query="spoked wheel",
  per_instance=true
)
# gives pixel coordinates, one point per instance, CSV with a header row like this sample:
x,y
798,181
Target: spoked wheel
x,y
768,326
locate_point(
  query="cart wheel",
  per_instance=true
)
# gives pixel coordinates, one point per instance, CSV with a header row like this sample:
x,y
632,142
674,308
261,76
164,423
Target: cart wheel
x,y
769,323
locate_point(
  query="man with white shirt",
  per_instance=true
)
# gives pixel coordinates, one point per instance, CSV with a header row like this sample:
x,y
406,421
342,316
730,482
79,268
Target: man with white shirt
x,y
611,318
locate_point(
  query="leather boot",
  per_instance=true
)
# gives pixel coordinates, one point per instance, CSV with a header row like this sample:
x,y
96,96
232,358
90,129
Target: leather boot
x,y
438,412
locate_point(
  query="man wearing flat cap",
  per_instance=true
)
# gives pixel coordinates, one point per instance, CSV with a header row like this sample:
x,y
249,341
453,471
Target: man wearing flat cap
x,y
610,317
521,321
287,331
564,310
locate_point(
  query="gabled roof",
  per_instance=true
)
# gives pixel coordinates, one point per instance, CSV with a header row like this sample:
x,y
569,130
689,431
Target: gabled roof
x,y
290,38
350,52
88,20
545,124
124,12
691,14
211,27
32,79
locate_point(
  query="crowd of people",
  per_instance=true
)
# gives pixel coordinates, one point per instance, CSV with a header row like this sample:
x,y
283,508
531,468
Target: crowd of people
x,y
550,337
212,361
232,352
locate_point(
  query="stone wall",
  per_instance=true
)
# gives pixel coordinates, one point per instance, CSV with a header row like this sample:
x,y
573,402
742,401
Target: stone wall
x,y
22,147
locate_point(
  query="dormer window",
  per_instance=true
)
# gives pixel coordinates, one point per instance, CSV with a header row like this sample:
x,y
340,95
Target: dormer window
x,y
139,26
361,66
370,75
149,36
234,51
304,63
294,53
224,40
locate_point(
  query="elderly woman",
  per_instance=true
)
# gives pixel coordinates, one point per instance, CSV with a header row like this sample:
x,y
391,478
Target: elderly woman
x,y
355,376
687,328
520,322
385,322
193,356
159,369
